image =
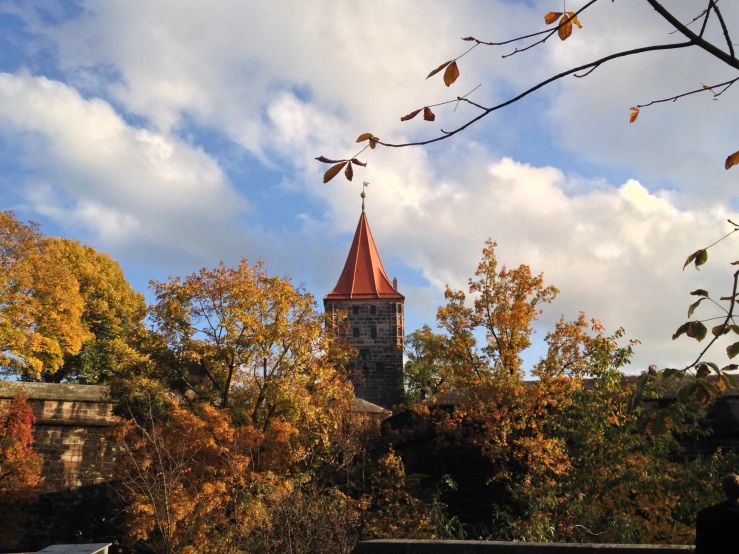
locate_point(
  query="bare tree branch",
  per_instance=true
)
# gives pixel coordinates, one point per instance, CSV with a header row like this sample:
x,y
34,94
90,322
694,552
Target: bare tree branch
x,y
723,27
726,84
542,84
697,40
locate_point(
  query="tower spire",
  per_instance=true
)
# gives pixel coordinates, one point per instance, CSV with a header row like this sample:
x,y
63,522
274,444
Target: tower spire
x,y
365,184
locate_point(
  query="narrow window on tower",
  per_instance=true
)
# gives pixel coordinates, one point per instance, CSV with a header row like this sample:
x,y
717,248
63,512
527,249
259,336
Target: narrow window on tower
x,y
355,309
373,332
355,332
373,309
400,308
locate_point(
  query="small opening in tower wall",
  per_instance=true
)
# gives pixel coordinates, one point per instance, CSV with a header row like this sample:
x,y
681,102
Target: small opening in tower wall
x,y
373,332
355,332
373,309
355,309
400,308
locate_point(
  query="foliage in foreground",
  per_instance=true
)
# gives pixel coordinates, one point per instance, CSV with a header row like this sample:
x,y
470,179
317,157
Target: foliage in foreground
x,y
578,454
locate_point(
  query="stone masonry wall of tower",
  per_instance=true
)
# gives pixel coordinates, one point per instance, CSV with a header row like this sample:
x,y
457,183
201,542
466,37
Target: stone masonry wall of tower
x,y
376,328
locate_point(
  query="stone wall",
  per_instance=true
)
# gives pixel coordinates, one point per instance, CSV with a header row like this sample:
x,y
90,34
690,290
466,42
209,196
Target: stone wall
x,y
377,372
489,547
72,423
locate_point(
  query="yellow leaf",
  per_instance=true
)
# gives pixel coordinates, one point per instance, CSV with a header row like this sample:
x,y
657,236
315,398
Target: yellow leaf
x,y
732,160
574,19
332,172
364,136
451,73
435,71
565,29
720,384
633,115
551,17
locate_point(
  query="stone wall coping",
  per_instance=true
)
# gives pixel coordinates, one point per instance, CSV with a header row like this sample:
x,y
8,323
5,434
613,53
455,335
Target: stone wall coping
x,y
398,546
55,391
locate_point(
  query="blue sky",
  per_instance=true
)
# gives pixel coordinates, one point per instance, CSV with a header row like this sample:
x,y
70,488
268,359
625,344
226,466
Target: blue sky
x,y
176,134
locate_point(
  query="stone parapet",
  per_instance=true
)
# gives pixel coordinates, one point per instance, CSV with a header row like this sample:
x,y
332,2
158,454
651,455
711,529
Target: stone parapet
x,y
490,547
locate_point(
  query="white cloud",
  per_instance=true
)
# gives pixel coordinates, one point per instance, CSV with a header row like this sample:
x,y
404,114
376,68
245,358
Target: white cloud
x,y
120,182
289,81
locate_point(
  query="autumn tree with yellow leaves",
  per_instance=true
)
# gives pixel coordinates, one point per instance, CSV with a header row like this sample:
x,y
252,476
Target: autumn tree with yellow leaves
x,y
240,414
66,311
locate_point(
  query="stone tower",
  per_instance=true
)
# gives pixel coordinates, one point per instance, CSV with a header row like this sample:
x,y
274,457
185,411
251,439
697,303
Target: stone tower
x,y
376,320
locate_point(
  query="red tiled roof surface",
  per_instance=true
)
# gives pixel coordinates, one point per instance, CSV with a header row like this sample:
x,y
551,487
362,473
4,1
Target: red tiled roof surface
x,y
363,276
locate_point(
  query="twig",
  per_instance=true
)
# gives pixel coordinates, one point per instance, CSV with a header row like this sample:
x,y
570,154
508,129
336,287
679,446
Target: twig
x,y
556,77
723,327
723,27
547,32
697,40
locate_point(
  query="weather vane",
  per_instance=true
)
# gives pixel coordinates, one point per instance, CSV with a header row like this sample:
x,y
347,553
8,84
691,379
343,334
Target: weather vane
x,y
364,195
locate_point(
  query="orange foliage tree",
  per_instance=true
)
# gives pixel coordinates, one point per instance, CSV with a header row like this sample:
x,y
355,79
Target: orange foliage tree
x,y
573,454
20,466
239,415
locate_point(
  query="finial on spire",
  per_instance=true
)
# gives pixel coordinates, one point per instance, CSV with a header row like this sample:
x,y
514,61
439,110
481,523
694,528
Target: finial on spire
x,y
365,184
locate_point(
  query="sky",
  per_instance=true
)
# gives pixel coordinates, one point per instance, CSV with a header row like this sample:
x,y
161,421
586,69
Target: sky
x,y
173,135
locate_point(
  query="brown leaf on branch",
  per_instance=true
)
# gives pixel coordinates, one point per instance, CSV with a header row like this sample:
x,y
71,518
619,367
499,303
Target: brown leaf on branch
x,y
574,19
333,172
411,115
349,171
634,114
373,142
469,39
364,136
355,161
327,161
732,160
565,29
428,115
551,17
435,71
451,74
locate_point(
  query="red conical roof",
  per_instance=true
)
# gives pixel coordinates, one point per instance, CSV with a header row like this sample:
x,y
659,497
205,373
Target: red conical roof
x,y
363,276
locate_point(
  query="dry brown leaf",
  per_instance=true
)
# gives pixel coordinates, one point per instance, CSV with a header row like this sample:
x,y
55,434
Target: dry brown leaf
x,y
428,115
349,172
574,19
565,29
332,172
411,115
364,136
373,142
732,160
327,161
469,39
720,384
551,17
355,161
634,114
435,71
451,74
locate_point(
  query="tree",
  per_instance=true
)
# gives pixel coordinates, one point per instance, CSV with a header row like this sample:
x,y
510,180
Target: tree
x,y
566,21
66,311
113,313
20,466
40,304
574,454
